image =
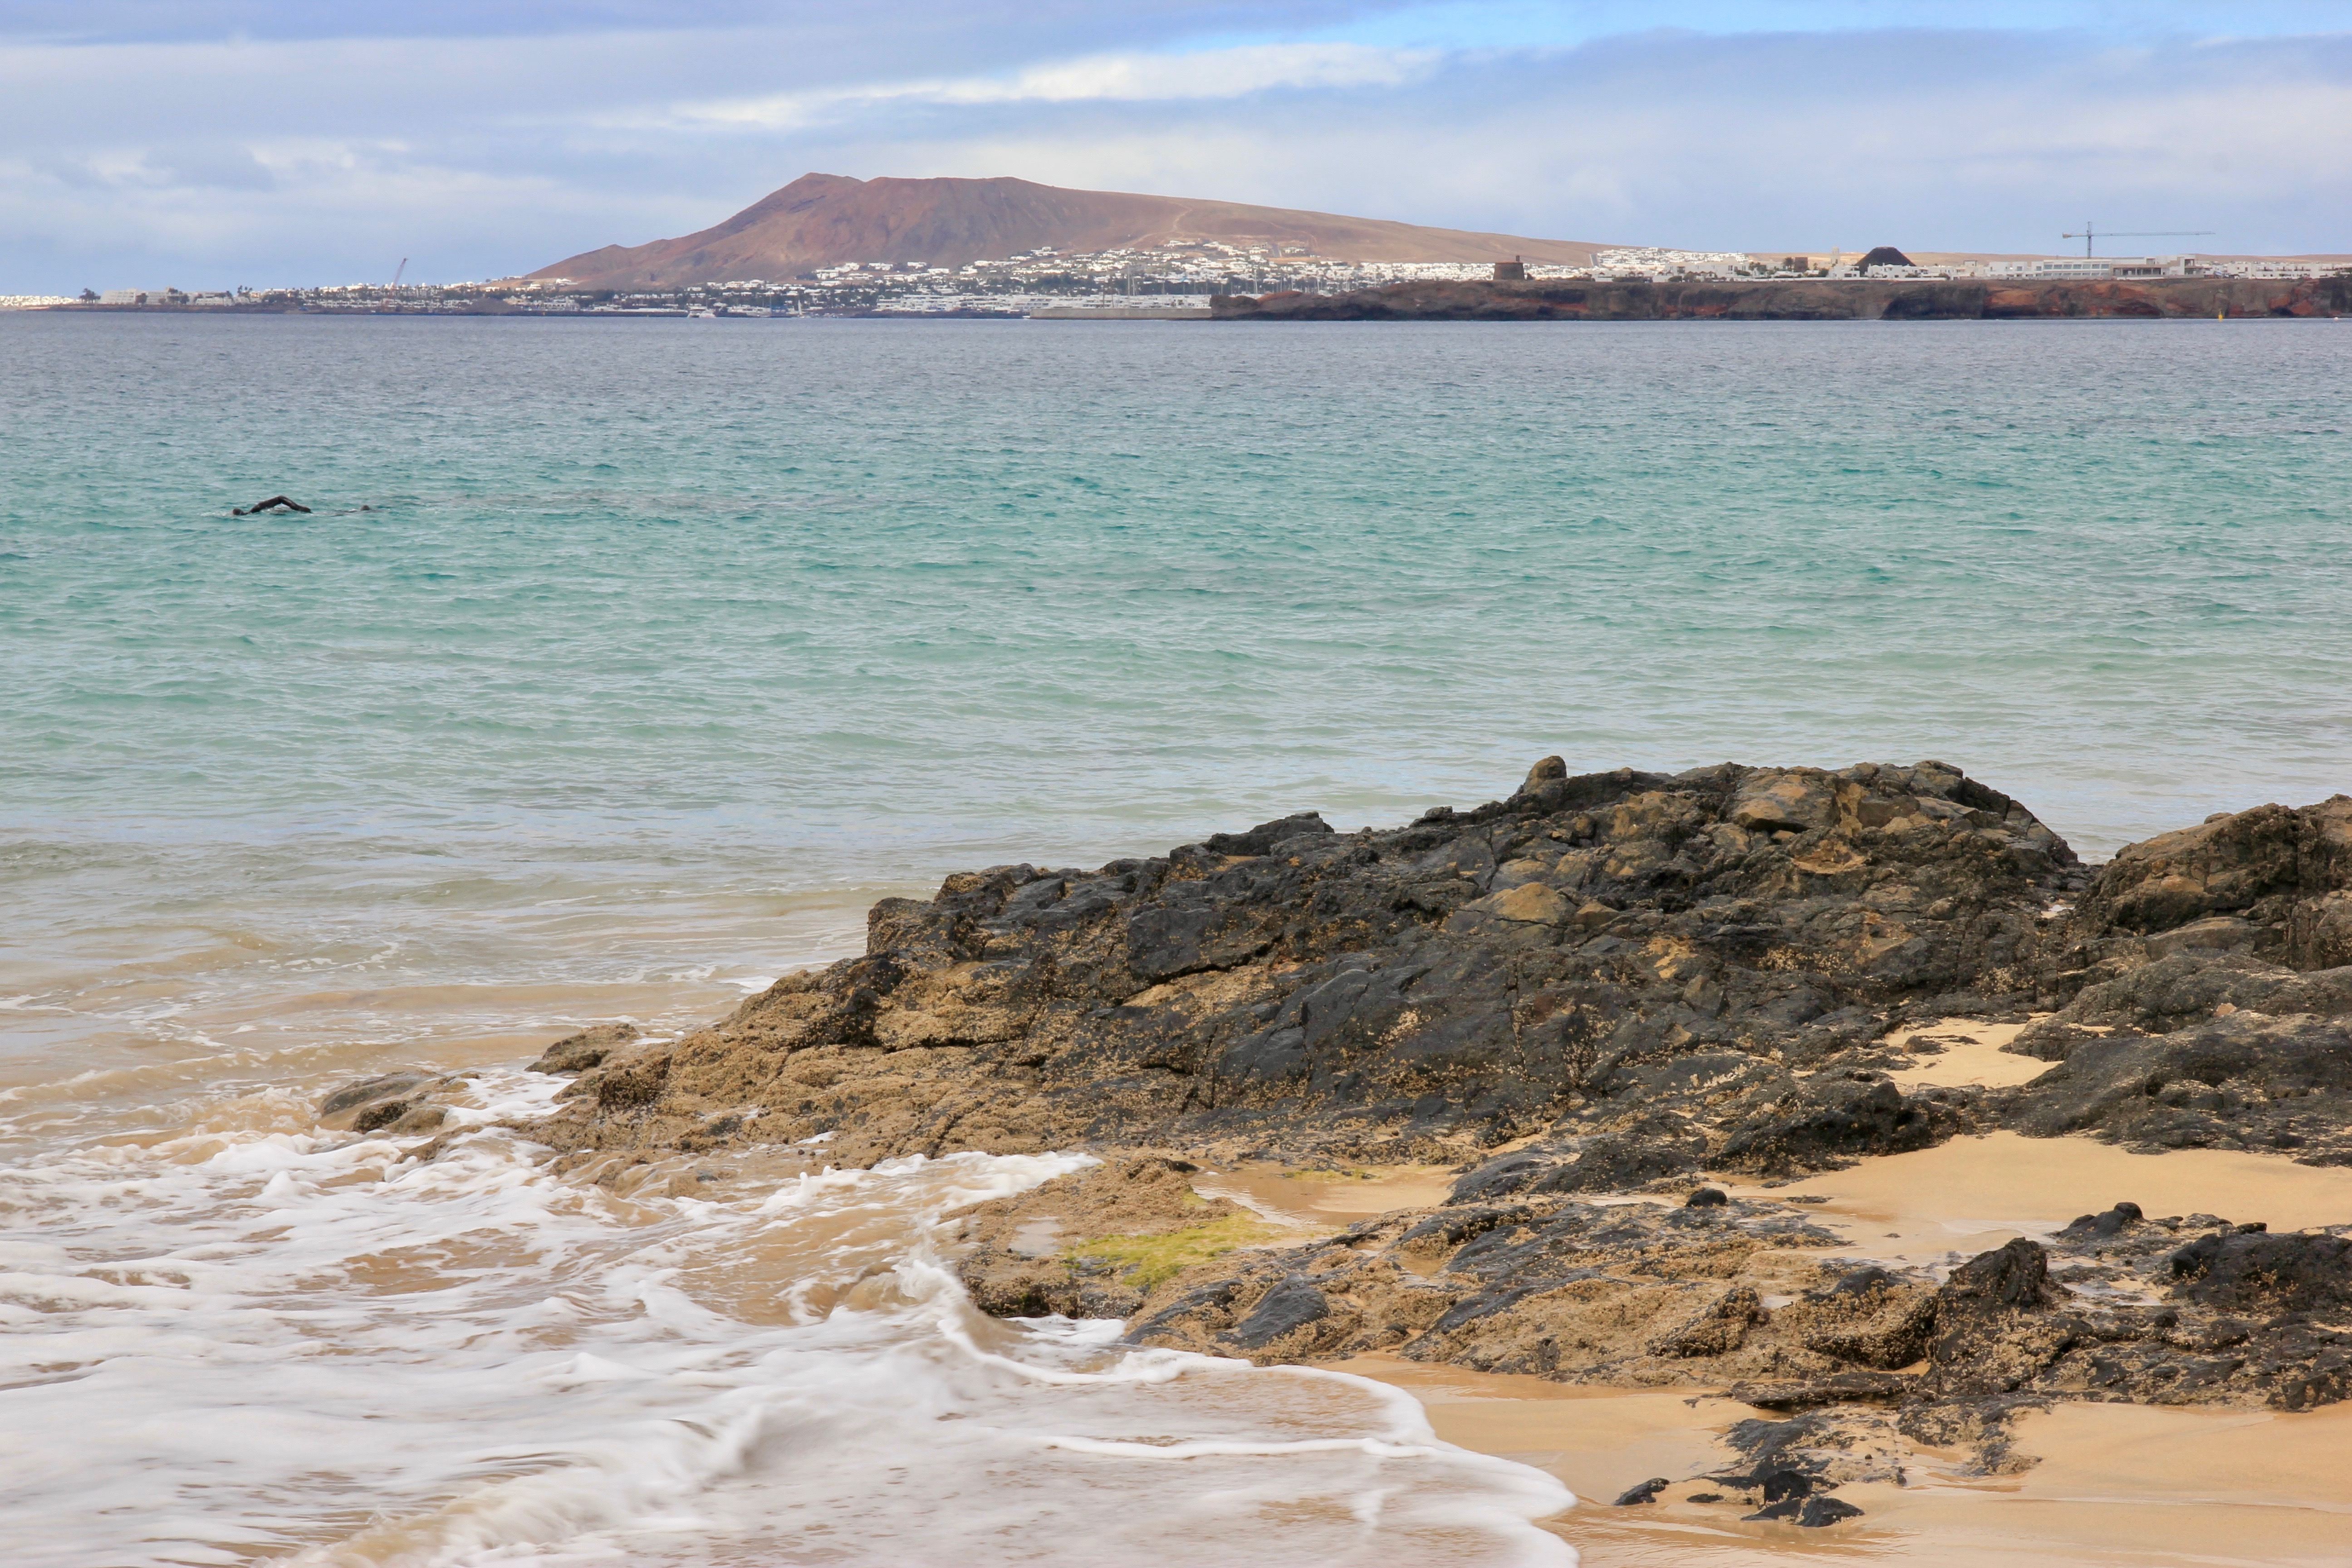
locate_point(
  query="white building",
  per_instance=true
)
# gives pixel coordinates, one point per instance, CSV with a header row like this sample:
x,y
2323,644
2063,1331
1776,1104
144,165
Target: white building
x,y
2274,270
2075,269
1656,261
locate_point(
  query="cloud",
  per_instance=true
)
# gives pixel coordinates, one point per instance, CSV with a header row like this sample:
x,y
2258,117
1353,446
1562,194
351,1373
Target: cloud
x,y
1929,140
1030,21
1218,74
140,162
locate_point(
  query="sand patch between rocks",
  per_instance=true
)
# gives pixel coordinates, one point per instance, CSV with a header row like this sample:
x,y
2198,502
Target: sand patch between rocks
x,y
1969,1194
2118,1483
1973,1056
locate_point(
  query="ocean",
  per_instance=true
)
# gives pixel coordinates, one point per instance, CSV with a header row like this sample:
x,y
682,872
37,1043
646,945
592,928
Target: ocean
x,y
619,666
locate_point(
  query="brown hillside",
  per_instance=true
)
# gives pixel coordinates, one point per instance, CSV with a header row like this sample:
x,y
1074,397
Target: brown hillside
x,y
819,220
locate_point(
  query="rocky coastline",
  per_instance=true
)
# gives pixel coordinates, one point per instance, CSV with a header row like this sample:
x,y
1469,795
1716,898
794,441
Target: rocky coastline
x,y
1624,1016
1801,300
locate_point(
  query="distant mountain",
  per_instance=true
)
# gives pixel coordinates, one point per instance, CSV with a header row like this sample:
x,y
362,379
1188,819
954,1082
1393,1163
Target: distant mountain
x,y
819,220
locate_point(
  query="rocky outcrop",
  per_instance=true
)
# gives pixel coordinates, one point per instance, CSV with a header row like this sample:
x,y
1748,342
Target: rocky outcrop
x,y
1602,986
2275,881
2210,980
1644,972
1797,299
2183,1309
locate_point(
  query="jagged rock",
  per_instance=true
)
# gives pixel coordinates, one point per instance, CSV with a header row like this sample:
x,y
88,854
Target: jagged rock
x,y
588,1048
1835,1118
2243,1080
2269,866
2257,1272
1420,992
1641,1150
1556,1286
1993,1327
1837,1388
1869,1317
2185,987
2113,1222
1719,1326
1281,1311
1631,980
2208,974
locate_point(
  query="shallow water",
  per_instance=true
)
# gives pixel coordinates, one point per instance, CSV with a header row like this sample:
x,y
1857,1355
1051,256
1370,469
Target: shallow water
x,y
245,1341
663,648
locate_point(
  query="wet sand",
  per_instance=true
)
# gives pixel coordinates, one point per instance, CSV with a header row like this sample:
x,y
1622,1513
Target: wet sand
x,y
1972,1053
1328,1200
1973,1193
1969,1194
2118,1483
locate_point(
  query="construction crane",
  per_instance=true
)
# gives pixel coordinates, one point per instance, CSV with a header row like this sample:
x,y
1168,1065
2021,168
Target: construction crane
x,y
398,270
2088,236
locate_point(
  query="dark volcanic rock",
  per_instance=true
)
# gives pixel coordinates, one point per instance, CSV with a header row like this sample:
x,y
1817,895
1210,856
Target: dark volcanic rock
x,y
1992,1325
2245,1081
1647,1293
1288,1307
2262,1273
1604,984
2281,871
2191,1311
2210,978
1633,964
1836,1117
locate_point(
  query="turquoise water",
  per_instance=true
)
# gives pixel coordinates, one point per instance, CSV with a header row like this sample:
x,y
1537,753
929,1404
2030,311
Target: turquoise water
x,y
620,665
664,643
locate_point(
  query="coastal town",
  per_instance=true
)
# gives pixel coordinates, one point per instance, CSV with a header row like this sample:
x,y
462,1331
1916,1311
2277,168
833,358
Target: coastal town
x,y
1182,278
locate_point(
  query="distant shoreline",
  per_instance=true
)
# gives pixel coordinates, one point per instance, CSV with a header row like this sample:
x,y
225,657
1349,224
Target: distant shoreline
x,y
1545,299
1803,299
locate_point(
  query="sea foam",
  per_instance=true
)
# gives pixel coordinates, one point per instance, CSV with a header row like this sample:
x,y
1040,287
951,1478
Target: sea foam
x,y
240,1341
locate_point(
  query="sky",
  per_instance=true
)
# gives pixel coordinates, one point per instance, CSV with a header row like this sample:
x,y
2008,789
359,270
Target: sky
x,y
209,143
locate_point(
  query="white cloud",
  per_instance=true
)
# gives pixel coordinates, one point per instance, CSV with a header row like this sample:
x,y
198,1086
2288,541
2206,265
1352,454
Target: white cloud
x,y
129,164
1211,74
